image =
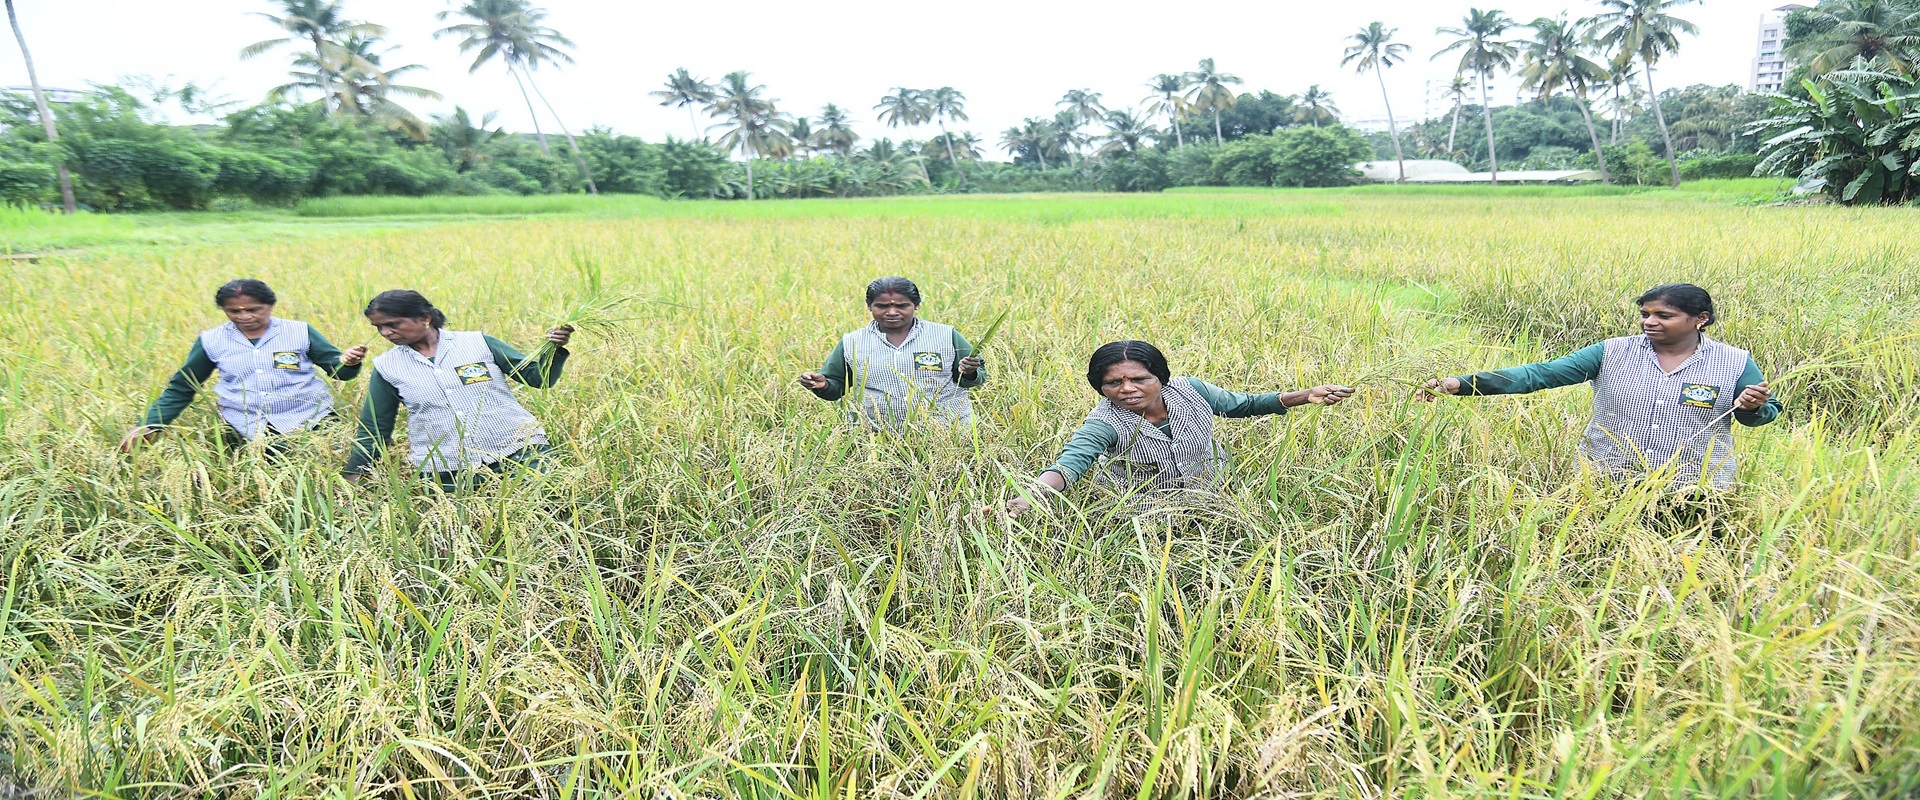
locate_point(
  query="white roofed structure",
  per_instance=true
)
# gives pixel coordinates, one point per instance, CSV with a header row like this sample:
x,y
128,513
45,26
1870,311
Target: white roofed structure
x,y
1437,171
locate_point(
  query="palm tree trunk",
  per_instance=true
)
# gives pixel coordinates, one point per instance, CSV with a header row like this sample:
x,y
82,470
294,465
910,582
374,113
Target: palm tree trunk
x,y
945,137
585,173
1661,117
1593,135
1178,140
693,122
747,152
1217,138
46,114
1393,129
1486,110
537,133
1454,128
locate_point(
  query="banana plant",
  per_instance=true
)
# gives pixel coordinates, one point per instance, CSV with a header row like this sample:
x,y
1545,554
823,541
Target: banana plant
x,y
1856,135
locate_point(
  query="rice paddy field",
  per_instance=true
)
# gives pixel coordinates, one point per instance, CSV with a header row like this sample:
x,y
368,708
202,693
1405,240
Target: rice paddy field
x,y
720,591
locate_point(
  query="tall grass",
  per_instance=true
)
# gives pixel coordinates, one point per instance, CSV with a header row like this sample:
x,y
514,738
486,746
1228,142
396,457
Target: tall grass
x,y
722,592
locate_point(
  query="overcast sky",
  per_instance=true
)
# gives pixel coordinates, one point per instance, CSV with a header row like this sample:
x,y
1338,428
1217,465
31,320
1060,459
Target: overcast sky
x,y
1012,59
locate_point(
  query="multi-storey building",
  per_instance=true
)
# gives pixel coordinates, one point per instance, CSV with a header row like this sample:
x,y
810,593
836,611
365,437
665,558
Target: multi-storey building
x,y
1770,58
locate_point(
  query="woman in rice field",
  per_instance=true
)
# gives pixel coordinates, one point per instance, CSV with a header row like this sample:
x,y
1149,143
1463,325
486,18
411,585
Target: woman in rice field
x,y
462,420
1152,431
1661,400
268,383
907,368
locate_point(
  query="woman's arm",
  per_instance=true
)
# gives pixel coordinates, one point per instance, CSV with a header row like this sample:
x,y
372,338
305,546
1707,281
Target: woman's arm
x,y
1240,404
1579,366
181,388
337,365
1092,439
538,373
174,399
830,383
1766,408
965,358
375,433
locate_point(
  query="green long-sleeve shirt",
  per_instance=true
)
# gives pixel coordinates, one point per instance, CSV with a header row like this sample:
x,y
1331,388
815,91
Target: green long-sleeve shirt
x,y
839,373
1095,438
1583,365
382,405
193,374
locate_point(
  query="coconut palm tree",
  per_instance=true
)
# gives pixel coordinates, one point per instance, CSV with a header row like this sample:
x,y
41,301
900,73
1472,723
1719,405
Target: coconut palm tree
x,y
1315,105
1167,99
904,107
1457,92
943,104
749,121
1556,58
685,91
1646,30
1483,52
835,133
1127,132
1374,49
1034,136
1067,136
465,143
1084,104
46,114
800,135
511,30
1207,91
322,24
367,92
1883,33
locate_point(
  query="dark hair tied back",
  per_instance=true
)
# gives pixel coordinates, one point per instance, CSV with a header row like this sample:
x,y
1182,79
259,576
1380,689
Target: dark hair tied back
x,y
244,287
893,284
406,303
1133,350
1690,299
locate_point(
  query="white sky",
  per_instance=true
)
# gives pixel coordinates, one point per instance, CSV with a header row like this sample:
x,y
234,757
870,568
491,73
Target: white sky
x,y
1012,59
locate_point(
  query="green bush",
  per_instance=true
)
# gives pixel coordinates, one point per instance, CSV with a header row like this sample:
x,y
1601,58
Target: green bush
x,y
1699,165
26,183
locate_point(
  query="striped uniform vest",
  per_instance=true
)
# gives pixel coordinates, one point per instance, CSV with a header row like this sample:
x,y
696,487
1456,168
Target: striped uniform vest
x,y
269,385
910,382
460,413
1644,418
1143,456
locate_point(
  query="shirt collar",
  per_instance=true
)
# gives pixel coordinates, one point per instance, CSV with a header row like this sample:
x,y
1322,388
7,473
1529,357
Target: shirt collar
x,y
273,324
1707,346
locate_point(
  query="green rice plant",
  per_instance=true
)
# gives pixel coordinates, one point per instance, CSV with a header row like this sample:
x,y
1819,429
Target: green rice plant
x,y
720,590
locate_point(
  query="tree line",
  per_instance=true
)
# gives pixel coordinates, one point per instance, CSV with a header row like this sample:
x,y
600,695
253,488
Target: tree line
x,y
340,123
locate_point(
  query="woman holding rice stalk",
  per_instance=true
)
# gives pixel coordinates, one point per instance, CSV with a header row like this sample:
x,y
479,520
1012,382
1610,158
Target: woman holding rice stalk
x,y
268,385
1661,399
907,368
462,420
1152,431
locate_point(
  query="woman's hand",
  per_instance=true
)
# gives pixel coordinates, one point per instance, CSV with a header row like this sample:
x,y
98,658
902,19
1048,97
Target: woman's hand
x,y
353,356
138,435
559,336
1753,398
355,478
813,380
1050,483
1328,395
1436,387
970,366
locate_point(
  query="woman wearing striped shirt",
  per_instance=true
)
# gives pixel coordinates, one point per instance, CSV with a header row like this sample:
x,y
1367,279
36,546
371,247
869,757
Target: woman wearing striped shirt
x,y
905,368
462,420
267,367
1661,400
1152,431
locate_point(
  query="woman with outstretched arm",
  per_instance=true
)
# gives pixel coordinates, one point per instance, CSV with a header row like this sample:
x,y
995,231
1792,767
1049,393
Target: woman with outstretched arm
x,y
1664,401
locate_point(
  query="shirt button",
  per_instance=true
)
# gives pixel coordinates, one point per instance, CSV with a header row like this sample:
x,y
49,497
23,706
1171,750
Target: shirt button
x,y
258,371
1656,426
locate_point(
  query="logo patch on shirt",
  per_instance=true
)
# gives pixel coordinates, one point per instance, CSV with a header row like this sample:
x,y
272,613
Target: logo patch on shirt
x,y
1699,395
286,359
928,362
471,374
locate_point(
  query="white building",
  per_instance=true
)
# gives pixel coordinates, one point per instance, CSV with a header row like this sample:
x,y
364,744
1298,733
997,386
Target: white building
x,y
54,95
1769,58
